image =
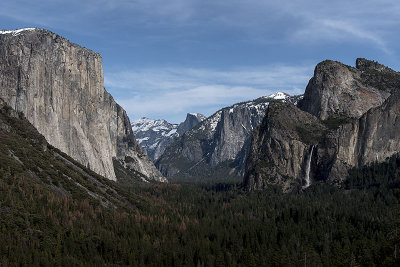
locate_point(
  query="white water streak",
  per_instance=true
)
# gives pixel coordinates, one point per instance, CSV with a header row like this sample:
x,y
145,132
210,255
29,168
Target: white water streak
x,y
308,167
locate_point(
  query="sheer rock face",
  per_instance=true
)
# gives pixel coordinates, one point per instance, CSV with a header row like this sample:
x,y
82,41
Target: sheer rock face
x,y
219,145
280,146
192,119
371,138
59,87
343,90
344,140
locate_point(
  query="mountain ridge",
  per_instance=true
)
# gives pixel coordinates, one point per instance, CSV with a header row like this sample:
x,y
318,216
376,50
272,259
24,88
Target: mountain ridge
x,y
218,145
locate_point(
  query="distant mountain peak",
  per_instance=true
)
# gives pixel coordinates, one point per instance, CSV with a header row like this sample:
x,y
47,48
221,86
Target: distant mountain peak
x,y
146,124
155,135
279,96
197,115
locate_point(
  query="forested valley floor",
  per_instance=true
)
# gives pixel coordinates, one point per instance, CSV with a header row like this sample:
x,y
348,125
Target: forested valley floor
x,y
205,225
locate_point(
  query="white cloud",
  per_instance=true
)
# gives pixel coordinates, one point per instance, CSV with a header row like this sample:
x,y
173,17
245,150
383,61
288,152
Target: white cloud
x,y
274,76
170,93
355,30
321,30
173,103
368,21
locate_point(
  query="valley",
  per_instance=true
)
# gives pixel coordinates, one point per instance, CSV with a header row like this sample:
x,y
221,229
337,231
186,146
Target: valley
x,y
303,180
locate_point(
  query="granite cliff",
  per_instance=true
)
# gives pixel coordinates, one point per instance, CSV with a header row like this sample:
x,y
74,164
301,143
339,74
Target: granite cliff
x,y
349,117
26,155
338,89
192,119
59,87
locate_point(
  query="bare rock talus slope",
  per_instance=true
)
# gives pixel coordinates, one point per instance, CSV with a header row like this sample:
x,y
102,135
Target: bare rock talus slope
x,y
356,121
59,87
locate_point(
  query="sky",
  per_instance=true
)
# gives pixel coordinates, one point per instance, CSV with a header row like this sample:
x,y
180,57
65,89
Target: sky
x,y
165,58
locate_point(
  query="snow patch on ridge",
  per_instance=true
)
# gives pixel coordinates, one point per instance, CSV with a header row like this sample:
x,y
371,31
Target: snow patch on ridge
x,y
214,121
279,96
258,106
140,140
145,124
211,122
17,32
172,132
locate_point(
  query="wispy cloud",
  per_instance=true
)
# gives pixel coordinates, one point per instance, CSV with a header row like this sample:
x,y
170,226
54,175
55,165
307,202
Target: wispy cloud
x,y
354,30
359,22
334,31
255,20
171,92
274,76
173,105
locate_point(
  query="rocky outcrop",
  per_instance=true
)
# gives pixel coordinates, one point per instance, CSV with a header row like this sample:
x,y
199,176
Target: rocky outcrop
x,y
281,145
218,146
59,87
192,119
372,138
343,90
155,135
326,138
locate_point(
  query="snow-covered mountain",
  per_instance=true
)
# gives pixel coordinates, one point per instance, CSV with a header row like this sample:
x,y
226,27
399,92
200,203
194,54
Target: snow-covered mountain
x,y
155,135
219,145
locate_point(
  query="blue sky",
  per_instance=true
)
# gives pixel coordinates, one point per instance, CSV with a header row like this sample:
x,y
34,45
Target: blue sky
x,y
163,59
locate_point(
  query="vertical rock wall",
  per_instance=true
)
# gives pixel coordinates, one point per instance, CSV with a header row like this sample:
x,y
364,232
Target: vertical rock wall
x,y
59,86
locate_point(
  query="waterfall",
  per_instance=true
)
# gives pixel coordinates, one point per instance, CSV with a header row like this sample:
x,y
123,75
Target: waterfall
x,y
308,167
